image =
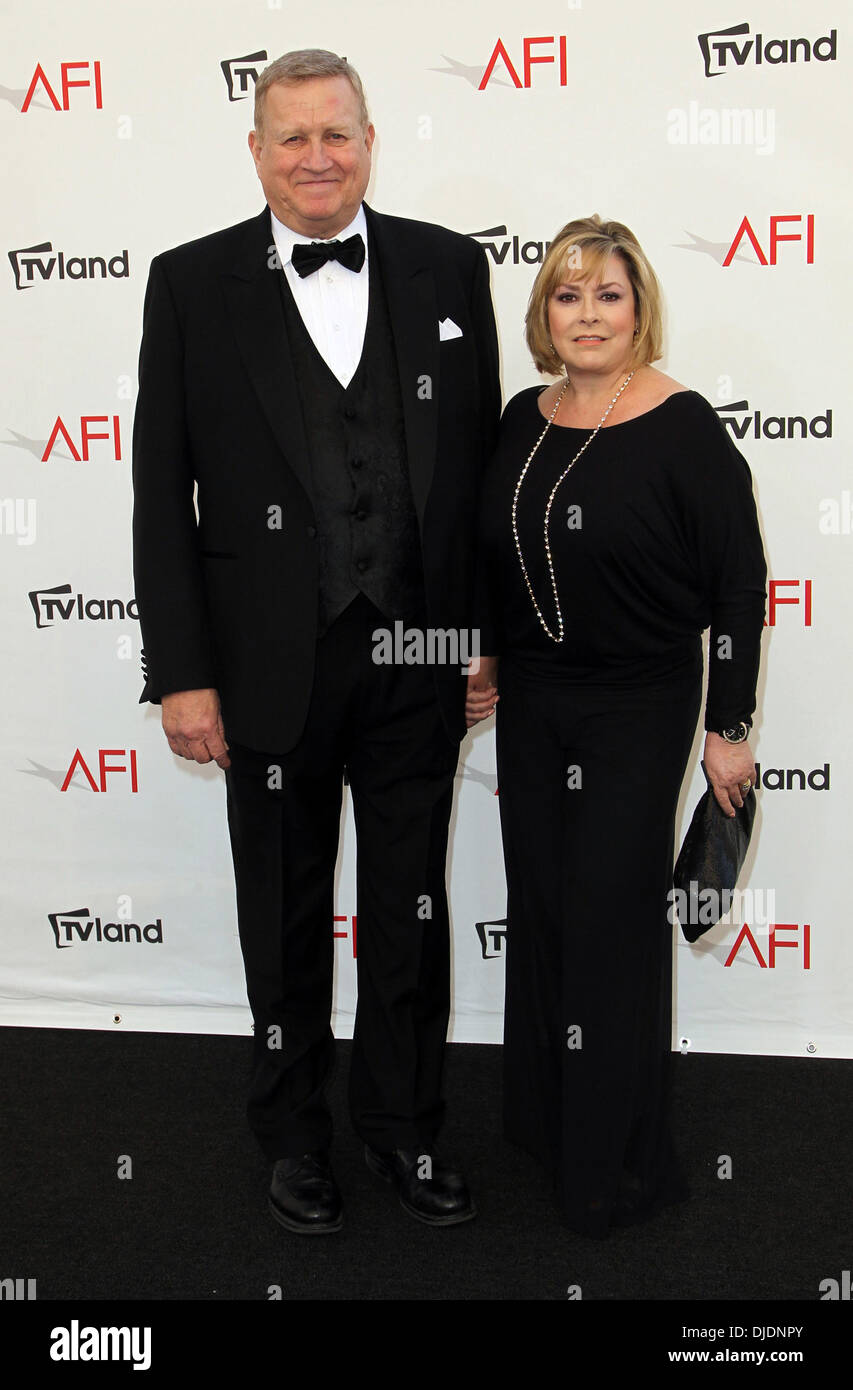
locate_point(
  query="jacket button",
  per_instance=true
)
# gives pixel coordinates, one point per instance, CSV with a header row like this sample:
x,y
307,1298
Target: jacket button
x,y
349,413
356,463
312,531
360,515
362,565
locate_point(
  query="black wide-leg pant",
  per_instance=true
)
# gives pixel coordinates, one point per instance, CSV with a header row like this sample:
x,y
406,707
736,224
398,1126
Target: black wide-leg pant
x,y
383,726
589,778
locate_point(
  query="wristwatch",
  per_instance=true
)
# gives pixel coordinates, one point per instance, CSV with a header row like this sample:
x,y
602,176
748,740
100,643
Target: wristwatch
x,y
738,734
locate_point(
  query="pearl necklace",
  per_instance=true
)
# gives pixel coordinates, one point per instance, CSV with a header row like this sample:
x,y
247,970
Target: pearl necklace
x,y
562,476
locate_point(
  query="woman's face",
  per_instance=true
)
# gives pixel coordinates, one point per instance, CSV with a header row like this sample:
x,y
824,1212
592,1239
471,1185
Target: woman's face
x,y
592,323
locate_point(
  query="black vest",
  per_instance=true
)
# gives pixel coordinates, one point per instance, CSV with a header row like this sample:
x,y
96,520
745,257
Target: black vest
x,y
367,527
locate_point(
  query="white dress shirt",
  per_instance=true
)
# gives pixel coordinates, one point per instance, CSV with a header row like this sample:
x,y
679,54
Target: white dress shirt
x,y
332,300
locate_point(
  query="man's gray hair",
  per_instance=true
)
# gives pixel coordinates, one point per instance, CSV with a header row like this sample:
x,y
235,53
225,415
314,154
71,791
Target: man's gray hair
x,y
301,65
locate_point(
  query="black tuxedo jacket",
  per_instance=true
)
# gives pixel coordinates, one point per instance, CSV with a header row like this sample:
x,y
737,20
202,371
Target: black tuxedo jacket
x,y
227,585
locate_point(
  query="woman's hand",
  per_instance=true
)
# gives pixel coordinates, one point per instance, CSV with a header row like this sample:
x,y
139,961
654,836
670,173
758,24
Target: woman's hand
x,y
482,691
729,766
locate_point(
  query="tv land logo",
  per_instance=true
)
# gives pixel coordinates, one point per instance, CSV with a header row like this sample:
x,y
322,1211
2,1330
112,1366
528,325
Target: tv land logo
x,y
241,74
788,779
505,248
772,426
724,50
492,937
60,603
65,83
26,261
79,926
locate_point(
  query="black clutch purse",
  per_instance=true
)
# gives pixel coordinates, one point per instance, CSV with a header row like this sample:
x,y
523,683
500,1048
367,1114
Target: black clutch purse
x,y
709,862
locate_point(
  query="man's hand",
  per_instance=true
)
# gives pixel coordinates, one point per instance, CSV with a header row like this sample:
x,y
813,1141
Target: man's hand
x,y
482,693
729,766
193,726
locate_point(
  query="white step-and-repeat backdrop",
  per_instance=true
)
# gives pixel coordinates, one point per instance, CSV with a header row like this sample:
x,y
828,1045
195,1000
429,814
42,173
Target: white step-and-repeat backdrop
x,y
720,132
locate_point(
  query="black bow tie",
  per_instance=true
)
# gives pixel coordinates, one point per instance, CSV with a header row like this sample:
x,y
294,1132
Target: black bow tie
x,y
307,259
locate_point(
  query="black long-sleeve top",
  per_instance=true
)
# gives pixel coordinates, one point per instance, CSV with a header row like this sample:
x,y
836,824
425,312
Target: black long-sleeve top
x,y
654,537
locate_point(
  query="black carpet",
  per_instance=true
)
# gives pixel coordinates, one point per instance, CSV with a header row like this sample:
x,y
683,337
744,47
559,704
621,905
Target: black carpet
x,y
190,1222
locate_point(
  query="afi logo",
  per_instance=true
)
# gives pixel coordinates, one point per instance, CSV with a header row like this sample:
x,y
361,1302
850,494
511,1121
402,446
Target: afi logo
x,y
746,230
66,82
78,761
528,59
238,72
87,435
492,937
746,939
776,600
343,934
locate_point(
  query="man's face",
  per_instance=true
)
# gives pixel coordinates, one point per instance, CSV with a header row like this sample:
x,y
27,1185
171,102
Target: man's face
x,y
313,157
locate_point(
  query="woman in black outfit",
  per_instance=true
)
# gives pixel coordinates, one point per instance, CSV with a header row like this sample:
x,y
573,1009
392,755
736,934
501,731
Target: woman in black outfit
x,y
617,524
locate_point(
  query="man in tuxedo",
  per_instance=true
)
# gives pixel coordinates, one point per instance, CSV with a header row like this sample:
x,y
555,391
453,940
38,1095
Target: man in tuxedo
x,y
326,377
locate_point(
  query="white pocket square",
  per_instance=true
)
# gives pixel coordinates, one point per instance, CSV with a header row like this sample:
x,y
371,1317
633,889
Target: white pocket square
x,y
447,329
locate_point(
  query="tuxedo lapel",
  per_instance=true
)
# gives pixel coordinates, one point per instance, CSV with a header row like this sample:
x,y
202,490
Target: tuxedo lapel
x,y
253,296
413,310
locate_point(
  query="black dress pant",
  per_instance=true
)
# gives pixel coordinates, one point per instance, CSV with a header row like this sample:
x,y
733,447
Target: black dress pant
x,y
589,778
382,725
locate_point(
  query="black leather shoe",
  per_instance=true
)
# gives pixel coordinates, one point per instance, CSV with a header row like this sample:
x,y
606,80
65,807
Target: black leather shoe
x,y
304,1196
427,1188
